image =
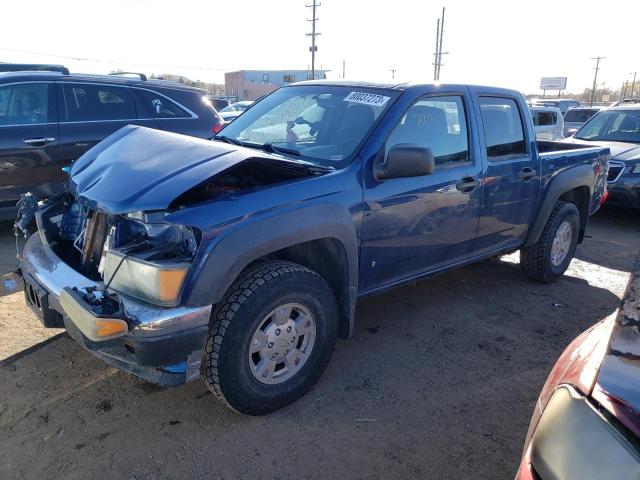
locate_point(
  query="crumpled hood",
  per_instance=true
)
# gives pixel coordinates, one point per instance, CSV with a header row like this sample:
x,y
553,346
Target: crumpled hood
x,y
142,169
619,150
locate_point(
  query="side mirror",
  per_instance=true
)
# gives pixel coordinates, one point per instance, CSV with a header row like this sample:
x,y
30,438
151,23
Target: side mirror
x,y
405,160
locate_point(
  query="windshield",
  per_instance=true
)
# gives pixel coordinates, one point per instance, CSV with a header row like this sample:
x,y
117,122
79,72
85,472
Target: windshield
x,y
323,124
612,126
579,115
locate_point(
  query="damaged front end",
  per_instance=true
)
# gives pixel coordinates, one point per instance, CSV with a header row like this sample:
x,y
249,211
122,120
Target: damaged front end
x,y
136,254
114,282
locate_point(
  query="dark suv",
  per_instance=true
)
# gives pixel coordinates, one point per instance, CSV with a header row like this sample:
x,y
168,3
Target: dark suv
x,y
49,119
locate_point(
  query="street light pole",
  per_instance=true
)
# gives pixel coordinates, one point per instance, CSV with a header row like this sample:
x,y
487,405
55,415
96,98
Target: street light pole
x,y
595,79
633,85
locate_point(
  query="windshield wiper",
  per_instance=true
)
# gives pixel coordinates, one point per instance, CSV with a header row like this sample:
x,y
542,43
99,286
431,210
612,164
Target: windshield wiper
x,y
226,139
270,147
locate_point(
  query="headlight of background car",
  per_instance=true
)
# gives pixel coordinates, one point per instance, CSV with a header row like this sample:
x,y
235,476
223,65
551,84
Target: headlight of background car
x,y
635,168
155,282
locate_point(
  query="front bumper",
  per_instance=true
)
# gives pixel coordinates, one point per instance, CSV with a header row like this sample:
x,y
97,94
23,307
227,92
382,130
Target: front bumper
x,y
162,345
625,191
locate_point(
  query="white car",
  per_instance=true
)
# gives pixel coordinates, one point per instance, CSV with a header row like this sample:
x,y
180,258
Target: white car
x,y
231,112
548,122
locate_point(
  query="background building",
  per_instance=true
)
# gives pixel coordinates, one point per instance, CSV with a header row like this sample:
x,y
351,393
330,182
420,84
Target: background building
x,y
252,84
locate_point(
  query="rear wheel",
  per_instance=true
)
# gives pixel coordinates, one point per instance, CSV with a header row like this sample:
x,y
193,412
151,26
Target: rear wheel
x,y
550,256
271,337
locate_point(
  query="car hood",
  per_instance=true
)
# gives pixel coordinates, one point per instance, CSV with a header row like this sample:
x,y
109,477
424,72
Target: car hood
x,y
142,169
619,150
617,386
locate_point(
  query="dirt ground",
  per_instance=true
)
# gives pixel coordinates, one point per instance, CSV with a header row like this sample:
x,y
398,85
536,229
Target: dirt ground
x,y
439,381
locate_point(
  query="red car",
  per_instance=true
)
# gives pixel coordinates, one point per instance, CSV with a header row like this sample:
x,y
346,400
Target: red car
x,y
586,424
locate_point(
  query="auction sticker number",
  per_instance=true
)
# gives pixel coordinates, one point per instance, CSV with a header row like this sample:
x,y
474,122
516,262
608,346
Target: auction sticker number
x,y
367,99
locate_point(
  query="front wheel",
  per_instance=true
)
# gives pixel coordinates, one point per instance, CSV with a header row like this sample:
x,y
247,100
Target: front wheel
x,y
549,257
271,337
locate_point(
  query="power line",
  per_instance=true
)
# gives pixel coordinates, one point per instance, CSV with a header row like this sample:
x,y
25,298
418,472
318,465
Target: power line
x,y
115,62
595,79
313,48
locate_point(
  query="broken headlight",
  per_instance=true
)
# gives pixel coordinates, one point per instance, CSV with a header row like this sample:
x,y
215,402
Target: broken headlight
x,y
148,261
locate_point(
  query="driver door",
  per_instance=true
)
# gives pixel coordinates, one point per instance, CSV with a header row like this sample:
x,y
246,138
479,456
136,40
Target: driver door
x,y
419,224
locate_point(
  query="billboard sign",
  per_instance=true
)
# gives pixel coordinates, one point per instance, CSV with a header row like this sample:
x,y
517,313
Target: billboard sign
x,y
553,83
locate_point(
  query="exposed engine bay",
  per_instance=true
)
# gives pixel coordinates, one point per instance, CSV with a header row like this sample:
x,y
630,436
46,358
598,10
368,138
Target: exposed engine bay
x,y
82,237
245,176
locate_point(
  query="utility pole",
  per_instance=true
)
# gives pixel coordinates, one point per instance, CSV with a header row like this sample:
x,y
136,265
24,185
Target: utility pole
x,y
438,54
393,72
435,55
633,85
343,69
595,79
313,49
440,49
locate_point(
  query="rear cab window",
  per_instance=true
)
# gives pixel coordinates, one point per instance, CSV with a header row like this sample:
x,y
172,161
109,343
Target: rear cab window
x,y
503,128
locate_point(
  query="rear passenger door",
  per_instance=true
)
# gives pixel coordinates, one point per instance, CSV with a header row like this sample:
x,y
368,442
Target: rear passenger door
x,y
512,179
92,112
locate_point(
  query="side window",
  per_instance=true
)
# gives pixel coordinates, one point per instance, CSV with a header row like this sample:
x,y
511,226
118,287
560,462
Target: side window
x,y
86,102
503,130
24,104
438,123
159,106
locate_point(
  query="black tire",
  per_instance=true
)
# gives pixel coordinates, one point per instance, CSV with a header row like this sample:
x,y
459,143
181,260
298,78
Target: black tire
x,y
257,291
535,261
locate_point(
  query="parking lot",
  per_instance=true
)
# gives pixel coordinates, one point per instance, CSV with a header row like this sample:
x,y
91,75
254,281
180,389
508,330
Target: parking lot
x,y
438,381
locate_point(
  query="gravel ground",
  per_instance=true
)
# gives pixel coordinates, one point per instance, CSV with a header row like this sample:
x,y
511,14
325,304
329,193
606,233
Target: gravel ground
x,y
439,381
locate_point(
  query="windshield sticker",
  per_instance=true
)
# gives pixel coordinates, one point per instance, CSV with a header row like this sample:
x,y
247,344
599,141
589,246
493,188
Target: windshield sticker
x,y
367,99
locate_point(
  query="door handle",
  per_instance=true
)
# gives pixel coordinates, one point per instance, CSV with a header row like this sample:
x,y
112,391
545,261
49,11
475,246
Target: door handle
x,y
38,142
527,173
467,184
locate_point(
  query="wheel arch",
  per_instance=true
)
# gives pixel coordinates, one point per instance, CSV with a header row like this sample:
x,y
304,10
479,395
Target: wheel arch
x,y
574,185
321,238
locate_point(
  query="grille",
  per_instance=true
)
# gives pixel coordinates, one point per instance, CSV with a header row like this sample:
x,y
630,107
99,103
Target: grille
x,y
615,170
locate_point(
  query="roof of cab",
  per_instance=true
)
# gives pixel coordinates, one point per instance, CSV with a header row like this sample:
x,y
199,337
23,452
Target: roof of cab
x,y
349,83
482,89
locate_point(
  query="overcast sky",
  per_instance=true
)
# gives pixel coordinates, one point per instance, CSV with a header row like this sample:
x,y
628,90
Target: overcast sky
x,y
503,43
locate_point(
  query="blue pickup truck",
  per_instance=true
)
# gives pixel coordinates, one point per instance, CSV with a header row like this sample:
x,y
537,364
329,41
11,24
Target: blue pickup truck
x,y
241,259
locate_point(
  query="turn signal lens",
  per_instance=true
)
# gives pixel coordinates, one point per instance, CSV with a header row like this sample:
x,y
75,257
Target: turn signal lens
x,y
169,283
107,327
